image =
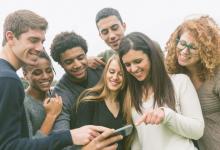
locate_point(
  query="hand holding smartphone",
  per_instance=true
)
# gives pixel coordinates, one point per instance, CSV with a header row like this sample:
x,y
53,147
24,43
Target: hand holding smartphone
x,y
124,131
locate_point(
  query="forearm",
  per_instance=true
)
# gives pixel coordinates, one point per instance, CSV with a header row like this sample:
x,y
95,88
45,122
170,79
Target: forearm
x,y
47,125
189,127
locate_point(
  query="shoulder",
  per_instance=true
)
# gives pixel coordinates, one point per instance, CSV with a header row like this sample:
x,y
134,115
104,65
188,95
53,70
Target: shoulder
x,y
180,81
179,78
87,105
62,86
106,54
95,72
6,70
217,72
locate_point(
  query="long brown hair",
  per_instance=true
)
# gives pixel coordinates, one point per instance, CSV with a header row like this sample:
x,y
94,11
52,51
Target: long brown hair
x,y
157,79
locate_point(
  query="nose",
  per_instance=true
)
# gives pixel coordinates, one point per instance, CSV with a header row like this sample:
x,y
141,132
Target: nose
x,y
133,68
39,47
115,76
77,64
46,75
185,51
112,35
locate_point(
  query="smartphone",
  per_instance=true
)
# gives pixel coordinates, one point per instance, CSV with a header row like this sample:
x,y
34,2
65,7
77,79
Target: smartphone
x,y
124,131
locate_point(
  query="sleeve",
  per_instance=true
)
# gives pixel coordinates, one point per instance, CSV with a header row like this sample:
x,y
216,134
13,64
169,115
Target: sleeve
x,y
102,54
105,55
189,123
85,113
11,113
38,135
63,120
28,118
217,84
31,133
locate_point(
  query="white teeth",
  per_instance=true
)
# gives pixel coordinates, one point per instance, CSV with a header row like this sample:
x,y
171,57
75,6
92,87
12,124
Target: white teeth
x,y
45,83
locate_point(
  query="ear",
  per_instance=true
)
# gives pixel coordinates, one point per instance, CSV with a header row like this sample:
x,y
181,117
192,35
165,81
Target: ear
x,y
9,37
124,26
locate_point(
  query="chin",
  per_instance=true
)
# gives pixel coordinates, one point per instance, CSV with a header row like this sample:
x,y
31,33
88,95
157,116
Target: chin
x,y
182,63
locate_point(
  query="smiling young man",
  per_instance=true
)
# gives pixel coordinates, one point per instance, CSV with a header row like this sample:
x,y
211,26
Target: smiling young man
x,y
111,29
69,50
24,34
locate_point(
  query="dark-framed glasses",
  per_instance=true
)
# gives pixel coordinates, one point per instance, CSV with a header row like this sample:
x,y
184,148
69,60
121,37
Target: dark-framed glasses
x,y
182,44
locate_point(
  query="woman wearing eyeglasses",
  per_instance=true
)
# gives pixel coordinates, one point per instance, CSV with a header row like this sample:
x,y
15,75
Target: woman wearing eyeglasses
x,y
193,49
41,110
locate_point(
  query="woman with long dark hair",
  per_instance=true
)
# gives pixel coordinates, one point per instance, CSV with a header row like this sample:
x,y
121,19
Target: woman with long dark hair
x,y
165,108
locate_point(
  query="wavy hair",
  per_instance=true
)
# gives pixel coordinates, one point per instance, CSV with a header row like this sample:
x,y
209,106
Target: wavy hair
x,y
206,33
100,91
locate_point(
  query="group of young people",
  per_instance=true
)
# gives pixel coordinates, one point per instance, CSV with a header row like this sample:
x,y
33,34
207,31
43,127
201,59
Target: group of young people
x,y
171,100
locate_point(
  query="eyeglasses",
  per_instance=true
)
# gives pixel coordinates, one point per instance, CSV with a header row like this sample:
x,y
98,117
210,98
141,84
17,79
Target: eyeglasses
x,y
182,44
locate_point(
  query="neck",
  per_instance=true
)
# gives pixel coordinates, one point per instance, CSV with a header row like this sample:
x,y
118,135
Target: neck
x,y
112,97
75,80
8,55
193,71
39,95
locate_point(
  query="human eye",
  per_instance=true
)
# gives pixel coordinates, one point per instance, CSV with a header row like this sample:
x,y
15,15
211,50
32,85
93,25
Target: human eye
x,y
68,62
81,57
120,73
34,40
181,44
137,61
104,32
192,46
115,27
111,71
127,64
49,70
37,72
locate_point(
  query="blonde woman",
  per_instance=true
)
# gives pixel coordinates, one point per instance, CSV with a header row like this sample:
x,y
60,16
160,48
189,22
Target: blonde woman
x,y
102,104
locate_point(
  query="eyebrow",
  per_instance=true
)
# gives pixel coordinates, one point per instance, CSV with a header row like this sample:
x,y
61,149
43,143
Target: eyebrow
x,y
36,38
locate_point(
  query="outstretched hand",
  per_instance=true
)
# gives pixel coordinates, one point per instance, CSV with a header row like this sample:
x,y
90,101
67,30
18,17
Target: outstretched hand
x,y
153,116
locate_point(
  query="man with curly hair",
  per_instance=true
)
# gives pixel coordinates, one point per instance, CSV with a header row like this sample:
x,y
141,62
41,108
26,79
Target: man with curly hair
x,y
69,50
193,49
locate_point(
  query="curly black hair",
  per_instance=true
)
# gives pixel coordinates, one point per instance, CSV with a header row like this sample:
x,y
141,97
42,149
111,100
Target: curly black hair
x,y
64,41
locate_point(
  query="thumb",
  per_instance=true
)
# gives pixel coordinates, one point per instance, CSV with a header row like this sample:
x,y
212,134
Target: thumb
x,y
140,120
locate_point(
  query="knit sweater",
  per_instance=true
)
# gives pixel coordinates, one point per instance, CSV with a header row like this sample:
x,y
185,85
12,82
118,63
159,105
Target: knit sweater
x,y
177,128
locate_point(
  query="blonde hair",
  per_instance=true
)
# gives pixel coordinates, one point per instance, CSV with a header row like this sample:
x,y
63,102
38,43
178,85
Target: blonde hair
x,y
100,90
206,33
